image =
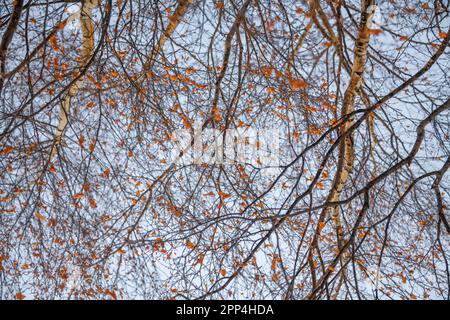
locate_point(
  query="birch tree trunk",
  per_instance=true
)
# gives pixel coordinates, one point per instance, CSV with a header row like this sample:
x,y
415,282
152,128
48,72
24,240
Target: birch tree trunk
x,y
174,21
87,49
346,155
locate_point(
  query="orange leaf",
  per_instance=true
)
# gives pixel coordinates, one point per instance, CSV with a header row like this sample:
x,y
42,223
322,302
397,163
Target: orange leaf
x,y
52,222
40,216
92,203
275,277
426,6
224,195
267,71
78,196
375,32
190,245
186,122
321,225
443,35
270,90
112,294
81,141
297,84
6,150
86,187
54,42
413,296
274,264
217,117
20,296
403,279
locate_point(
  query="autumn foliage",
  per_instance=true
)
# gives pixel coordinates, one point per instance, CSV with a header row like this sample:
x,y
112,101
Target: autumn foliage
x,y
94,206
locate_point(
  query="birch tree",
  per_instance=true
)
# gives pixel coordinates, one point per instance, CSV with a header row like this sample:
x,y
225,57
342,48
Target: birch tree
x,y
99,201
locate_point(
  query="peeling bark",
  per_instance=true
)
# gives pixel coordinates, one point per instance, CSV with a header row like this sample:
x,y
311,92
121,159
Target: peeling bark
x,y
87,30
174,21
346,147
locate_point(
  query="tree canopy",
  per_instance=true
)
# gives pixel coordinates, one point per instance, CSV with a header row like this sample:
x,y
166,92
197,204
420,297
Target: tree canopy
x,y
96,204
